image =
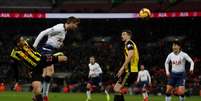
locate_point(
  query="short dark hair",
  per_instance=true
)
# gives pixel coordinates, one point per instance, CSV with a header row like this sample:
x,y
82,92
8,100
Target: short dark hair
x,y
177,41
129,32
73,20
92,57
16,39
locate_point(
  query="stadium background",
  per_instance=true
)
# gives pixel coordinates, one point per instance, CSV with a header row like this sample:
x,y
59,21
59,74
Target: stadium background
x,y
101,37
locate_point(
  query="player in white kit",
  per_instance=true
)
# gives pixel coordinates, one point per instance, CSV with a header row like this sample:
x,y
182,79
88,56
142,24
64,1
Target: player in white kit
x,y
143,80
56,36
176,78
95,78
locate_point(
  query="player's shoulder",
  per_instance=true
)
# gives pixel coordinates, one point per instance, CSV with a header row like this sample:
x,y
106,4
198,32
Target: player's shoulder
x,y
171,54
59,26
147,71
130,44
183,53
139,72
96,64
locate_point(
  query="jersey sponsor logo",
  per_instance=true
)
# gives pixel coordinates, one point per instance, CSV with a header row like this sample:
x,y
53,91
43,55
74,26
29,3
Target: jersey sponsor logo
x,y
176,62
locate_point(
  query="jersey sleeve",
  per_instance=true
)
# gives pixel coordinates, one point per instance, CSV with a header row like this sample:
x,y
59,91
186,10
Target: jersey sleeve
x,y
130,45
167,61
58,27
49,31
90,72
99,69
188,58
41,35
148,76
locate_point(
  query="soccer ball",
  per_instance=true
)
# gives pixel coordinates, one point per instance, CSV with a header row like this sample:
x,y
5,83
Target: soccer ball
x,y
144,13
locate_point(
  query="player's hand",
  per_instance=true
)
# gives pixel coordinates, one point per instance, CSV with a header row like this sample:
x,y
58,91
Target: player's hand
x,y
191,71
150,84
168,75
120,72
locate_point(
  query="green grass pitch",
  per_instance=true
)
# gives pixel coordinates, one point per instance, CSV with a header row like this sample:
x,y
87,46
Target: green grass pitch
x,y
26,96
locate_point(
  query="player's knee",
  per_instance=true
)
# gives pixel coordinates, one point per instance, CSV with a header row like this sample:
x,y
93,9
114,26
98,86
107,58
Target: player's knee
x,y
50,73
180,92
47,78
168,89
62,58
36,87
168,92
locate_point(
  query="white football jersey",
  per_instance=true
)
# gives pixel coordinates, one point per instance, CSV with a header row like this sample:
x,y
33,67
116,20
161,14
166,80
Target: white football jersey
x,y
178,62
144,75
94,70
56,36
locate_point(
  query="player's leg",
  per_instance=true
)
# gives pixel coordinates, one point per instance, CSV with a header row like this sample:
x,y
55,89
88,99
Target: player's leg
x,y
119,85
131,81
144,91
181,89
44,84
169,89
36,84
107,95
100,84
180,92
43,76
62,58
48,72
172,81
37,90
88,92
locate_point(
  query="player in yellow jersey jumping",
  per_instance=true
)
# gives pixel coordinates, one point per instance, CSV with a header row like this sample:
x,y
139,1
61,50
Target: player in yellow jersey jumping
x,y
25,54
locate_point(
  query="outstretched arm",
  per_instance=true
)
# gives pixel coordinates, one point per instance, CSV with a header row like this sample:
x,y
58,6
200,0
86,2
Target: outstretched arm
x,y
40,36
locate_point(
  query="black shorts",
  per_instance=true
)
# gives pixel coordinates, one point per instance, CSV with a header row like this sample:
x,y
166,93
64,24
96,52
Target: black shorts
x,y
95,81
130,78
37,74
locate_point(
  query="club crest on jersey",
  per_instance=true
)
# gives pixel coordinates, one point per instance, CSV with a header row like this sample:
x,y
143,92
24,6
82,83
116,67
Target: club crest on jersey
x,y
129,45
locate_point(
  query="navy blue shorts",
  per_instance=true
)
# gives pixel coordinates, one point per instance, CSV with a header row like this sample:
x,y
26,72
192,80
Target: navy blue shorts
x,y
47,49
95,80
177,79
143,84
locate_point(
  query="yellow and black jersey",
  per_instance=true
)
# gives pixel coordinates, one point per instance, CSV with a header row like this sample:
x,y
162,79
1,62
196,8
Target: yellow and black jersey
x,y
133,64
26,55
